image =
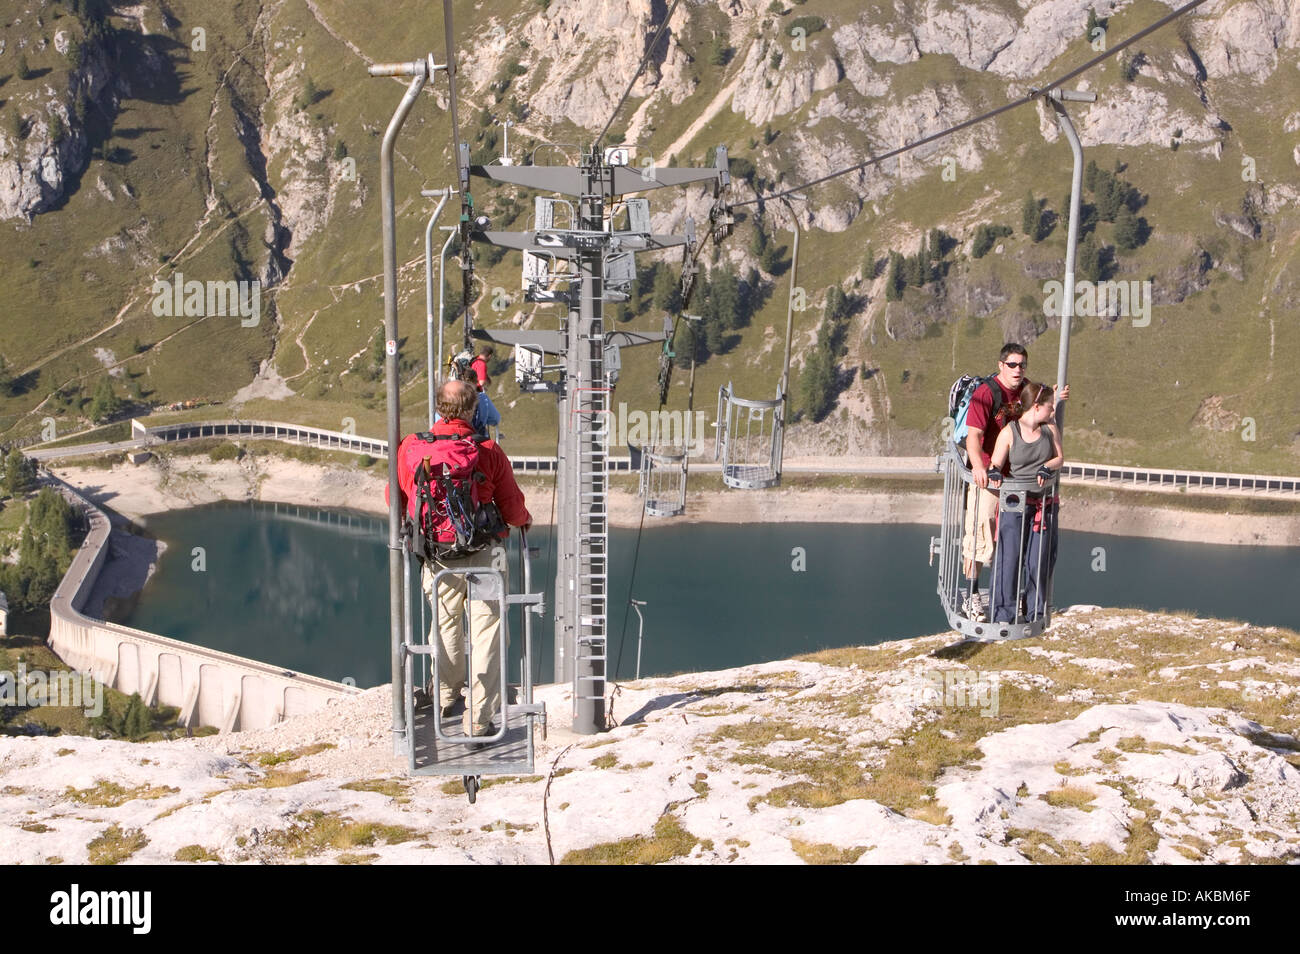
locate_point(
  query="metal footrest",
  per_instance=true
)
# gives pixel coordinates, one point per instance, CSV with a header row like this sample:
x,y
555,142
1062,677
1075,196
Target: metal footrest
x,y
512,753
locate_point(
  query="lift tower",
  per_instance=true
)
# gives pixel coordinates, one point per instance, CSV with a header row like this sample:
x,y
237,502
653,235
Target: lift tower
x,y
595,263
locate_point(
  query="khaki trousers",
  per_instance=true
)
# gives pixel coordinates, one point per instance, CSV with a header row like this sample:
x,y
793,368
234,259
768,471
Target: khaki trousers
x,y
484,642
981,522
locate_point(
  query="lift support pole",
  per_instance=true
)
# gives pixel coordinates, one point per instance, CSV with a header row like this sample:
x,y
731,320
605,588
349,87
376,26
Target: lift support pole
x,y
419,71
1055,99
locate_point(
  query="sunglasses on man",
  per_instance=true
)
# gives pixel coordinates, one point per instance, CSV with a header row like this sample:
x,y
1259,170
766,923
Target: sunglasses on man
x,y
1015,364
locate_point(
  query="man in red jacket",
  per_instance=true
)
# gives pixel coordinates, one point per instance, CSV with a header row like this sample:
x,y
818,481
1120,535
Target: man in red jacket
x,y
456,401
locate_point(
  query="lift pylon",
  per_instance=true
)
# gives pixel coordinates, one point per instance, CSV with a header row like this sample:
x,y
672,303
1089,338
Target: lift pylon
x,y
597,263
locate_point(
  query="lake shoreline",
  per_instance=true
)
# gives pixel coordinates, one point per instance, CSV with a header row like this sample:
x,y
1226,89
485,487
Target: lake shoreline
x,y
156,486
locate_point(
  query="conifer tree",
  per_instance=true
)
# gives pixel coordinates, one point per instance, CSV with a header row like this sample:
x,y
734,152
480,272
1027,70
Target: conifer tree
x,y
1030,216
1128,231
896,281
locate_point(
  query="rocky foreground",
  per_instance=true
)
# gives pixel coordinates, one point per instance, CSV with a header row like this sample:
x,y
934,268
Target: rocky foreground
x,y
1119,737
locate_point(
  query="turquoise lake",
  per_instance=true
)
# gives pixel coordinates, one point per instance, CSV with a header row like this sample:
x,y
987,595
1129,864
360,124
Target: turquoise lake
x,y
309,591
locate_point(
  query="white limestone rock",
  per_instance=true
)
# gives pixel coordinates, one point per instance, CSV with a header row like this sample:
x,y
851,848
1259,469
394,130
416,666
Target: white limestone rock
x,y
592,48
1142,117
1247,38
765,93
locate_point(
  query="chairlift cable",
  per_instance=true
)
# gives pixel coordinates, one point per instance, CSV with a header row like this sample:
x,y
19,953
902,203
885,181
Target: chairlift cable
x,y
1029,98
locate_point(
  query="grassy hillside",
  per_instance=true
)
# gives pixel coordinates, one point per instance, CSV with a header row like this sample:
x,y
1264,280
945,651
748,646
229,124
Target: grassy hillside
x,y
219,165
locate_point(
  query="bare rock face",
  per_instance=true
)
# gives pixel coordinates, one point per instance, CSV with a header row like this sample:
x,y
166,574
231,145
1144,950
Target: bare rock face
x,y
766,93
1142,117
980,37
35,165
1244,39
1176,284
299,146
974,35
593,48
1047,30
852,43
1213,416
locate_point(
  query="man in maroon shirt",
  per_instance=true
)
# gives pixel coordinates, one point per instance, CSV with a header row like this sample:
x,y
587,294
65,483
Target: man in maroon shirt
x,y
456,401
982,428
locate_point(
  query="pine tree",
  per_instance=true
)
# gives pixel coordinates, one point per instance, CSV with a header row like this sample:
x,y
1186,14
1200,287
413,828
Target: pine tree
x,y
20,473
1030,216
666,295
751,295
309,95
837,305
1110,196
6,379
1094,22
105,402
938,244
718,52
724,291
1088,259
136,723
896,281
817,383
1128,232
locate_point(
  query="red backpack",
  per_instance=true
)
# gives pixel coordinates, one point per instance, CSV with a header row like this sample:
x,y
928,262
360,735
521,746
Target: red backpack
x,y
446,517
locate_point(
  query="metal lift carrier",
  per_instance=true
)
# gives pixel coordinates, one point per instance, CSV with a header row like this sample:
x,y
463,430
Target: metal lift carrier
x,y
749,440
751,432
430,746
1014,496
663,482
437,745
1017,498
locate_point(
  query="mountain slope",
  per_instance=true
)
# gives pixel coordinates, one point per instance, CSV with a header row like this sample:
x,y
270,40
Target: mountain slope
x,y
234,161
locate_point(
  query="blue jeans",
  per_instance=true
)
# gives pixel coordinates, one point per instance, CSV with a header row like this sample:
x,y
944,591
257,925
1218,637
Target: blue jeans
x,y
1029,555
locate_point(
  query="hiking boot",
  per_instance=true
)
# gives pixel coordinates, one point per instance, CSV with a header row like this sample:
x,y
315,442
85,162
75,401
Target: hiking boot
x,y
488,729
422,700
972,606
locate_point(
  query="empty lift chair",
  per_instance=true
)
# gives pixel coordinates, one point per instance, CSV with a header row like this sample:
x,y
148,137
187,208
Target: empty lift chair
x,y
749,440
437,745
663,482
750,432
1018,498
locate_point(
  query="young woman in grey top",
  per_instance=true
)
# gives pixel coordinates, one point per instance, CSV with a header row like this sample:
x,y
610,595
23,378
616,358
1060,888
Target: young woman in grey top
x,y
1027,448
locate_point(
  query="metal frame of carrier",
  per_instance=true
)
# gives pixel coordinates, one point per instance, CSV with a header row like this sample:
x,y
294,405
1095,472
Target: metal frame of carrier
x,y
957,476
743,466
1014,496
437,748
662,482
